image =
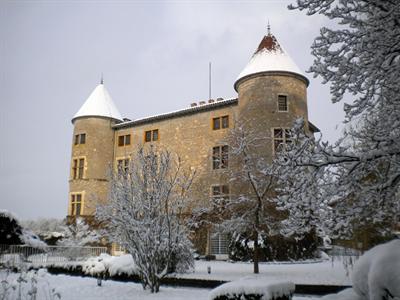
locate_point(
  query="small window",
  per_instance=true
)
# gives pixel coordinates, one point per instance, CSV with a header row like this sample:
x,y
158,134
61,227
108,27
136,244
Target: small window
x,y
81,168
76,205
80,138
220,157
225,122
282,103
123,166
220,193
124,140
151,135
128,139
220,122
147,136
216,123
83,138
78,167
121,140
155,135
282,137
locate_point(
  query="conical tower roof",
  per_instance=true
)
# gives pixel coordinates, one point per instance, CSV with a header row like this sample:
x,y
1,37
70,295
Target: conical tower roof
x,y
99,104
269,57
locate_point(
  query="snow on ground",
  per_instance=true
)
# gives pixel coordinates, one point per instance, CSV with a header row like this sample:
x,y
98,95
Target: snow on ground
x,y
325,272
248,285
77,288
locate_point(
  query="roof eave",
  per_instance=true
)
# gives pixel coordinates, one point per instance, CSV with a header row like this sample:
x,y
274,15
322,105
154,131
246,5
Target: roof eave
x,y
96,116
183,112
271,73
313,128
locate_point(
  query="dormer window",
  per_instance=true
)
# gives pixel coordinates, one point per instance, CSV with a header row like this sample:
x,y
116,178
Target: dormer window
x,y
282,103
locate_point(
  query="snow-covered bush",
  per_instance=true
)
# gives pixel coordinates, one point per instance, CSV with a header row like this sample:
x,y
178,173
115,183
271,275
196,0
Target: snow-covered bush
x,y
254,289
49,230
78,234
145,214
274,248
13,233
376,274
110,265
29,285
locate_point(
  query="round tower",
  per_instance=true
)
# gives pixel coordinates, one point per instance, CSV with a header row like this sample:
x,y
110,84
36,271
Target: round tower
x,y
92,153
272,93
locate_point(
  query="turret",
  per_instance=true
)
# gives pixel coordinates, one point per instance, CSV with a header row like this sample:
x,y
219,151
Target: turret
x,y
92,152
272,92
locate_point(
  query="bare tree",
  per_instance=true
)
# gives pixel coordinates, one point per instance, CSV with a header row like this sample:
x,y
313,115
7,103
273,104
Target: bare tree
x,y
250,210
145,214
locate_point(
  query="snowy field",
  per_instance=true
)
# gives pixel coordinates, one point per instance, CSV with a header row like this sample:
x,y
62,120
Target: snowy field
x,y
325,272
76,288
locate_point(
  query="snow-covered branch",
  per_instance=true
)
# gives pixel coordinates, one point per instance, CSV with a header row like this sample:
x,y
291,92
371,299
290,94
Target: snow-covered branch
x,y
144,214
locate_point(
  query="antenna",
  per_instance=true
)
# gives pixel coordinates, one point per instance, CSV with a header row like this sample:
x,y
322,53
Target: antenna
x,y
269,28
101,80
209,80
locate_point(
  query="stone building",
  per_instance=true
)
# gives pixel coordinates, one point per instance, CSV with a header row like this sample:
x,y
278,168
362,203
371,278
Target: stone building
x,y
271,94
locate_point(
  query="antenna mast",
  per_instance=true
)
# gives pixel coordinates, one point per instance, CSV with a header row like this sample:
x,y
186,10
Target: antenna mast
x,y
209,80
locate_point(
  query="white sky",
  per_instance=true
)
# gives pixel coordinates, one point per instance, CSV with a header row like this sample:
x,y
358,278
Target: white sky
x,y
154,56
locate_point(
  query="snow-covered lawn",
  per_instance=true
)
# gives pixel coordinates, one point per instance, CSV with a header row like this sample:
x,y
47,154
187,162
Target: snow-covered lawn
x,y
324,273
77,288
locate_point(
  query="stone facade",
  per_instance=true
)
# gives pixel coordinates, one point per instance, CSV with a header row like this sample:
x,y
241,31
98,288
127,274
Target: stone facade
x,y
190,134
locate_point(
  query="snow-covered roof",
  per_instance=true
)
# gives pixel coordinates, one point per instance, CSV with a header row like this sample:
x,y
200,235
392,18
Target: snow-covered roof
x,y
177,113
99,104
269,57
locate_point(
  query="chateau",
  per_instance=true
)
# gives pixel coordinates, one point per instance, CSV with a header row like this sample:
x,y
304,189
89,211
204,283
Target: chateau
x,y
271,94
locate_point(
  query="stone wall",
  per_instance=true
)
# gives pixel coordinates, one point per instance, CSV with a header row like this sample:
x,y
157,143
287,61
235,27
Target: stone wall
x,y
192,138
98,152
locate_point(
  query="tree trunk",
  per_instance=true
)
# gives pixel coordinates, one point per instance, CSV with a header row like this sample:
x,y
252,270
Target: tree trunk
x,y
256,252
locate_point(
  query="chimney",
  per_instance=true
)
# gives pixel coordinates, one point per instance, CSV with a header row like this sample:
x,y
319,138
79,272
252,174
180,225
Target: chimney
x,y
194,104
211,101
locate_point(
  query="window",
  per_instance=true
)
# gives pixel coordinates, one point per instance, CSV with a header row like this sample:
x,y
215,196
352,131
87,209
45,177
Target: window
x,y
220,122
76,204
80,138
225,122
219,243
155,135
282,137
220,192
124,140
123,166
151,135
282,103
78,165
220,157
117,249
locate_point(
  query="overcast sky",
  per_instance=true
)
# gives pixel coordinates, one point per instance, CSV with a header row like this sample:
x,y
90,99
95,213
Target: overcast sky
x,y
154,56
